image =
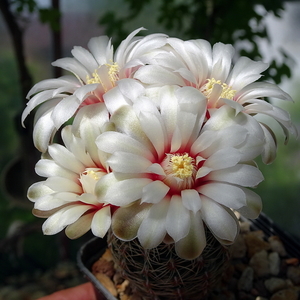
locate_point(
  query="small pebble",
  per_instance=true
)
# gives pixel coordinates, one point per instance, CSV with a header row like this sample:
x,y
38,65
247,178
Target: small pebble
x,y
287,294
275,284
293,273
245,283
276,245
255,243
260,263
274,262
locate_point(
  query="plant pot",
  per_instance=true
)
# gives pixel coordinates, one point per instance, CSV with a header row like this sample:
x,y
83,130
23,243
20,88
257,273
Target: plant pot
x,y
90,252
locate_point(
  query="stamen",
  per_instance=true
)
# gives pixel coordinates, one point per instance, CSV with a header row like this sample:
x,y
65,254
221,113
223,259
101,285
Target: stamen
x,y
89,178
180,171
109,76
182,166
227,91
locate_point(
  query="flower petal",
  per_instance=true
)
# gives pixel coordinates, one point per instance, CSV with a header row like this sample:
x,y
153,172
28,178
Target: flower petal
x,y
126,220
101,222
192,245
244,175
128,162
253,207
154,192
226,194
65,158
79,227
37,190
152,229
191,200
126,191
219,221
178,219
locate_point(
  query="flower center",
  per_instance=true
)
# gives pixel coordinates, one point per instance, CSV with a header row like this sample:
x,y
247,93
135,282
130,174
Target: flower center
x,y
182,166
106,75
88,179
227,91
180,170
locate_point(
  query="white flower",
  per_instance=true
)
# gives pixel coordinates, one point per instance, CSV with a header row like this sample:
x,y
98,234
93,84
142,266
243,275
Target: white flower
x,y
67,196
172,170
211,70
94,73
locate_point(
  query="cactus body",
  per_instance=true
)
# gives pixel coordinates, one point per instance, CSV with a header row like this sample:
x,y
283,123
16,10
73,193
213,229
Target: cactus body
x,y
159,274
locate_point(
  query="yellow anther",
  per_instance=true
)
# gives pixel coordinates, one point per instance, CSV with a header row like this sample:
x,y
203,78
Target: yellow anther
x,y
110,76
95,79
182,166
113,71
93,174
227,91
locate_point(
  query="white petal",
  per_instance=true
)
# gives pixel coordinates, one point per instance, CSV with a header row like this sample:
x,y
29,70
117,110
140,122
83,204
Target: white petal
x,y
82,92
155,74
244,175
101,49
73,213
114,99
270,146
43,131
61,184
64,110
35,101
128,162
111,142
37,190
154,192
244,72
65,158
156,169
225,194
152,230
77,147
191,200
101,222
49,202
253,207
222,56
259,90
62,218
154,131
121,51
53,224
126,191
192,245
79,227
126,220
48,168
131,88
178,219
219,221
223,158
72,65
126,121
85,58
87,124
103,184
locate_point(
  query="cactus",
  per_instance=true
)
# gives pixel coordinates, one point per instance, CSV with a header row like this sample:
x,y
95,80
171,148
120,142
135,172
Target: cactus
x,y
160,274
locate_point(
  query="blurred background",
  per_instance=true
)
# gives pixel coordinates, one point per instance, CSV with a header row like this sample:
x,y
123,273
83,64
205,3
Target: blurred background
x,y
35,33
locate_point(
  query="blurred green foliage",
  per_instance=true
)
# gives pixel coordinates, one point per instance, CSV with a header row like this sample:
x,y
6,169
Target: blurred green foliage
x,y
237,22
